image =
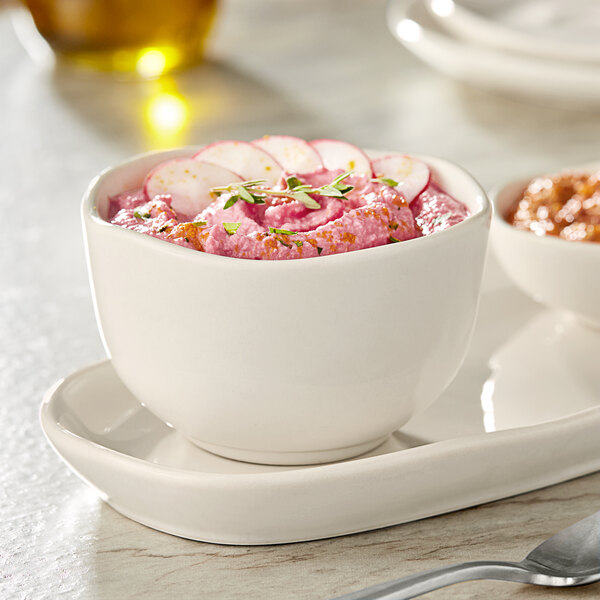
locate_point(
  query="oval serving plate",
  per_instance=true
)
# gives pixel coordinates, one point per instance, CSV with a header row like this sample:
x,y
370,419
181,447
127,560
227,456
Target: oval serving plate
x,y
493,433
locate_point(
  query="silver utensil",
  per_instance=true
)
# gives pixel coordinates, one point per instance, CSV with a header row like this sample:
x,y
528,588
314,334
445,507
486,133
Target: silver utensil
x,y
569,558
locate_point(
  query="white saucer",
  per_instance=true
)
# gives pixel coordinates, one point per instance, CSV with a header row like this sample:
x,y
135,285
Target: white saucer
x,y
523,413
552,29
514,73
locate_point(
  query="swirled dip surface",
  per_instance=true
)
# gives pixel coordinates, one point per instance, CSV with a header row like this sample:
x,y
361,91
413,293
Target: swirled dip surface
x,y
566,205
372,214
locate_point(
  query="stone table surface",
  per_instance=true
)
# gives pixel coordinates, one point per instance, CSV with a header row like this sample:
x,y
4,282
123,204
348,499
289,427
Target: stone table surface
x,y
314,68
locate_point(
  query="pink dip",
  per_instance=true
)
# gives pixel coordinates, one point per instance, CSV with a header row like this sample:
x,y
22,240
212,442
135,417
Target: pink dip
x,y
373,215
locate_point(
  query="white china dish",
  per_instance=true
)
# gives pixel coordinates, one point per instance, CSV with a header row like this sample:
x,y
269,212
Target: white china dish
x,y
559,273
552,29
285,362
522,413
511,73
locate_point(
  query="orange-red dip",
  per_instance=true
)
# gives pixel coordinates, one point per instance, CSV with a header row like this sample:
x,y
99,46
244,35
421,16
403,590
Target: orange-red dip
x,y
566,205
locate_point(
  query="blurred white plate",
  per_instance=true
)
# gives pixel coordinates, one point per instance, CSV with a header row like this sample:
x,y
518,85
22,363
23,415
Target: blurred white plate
x,y
555,29
522,413
551,81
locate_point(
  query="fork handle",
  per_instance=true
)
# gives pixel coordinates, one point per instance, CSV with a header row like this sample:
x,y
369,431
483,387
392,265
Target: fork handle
x,y
422,583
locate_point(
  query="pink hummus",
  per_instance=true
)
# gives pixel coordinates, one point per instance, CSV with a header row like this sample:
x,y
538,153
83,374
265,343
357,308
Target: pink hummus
x,y
374,214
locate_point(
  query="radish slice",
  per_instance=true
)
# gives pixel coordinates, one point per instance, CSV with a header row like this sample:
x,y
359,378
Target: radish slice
x,y
341,155
292,153
188,182
411,174
249,161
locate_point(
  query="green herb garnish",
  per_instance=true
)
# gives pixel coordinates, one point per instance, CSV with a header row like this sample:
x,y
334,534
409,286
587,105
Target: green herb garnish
x,y
282,231
298,243
319,250
393,240
385,181
139,215
199,223
231,228
343,188
252,192
284,243
163,229
306,200
293,183
231,202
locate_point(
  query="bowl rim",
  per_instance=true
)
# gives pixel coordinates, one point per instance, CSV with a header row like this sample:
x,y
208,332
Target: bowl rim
x,y
550,241
91,218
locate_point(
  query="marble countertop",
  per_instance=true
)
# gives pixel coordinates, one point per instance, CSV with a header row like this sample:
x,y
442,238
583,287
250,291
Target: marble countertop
x,y
310,68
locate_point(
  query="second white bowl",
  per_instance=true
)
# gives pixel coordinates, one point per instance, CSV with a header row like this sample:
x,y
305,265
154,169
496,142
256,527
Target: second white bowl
x,y
559,273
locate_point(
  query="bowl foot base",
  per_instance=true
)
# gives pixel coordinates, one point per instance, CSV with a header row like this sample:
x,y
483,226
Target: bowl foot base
x,y
291,458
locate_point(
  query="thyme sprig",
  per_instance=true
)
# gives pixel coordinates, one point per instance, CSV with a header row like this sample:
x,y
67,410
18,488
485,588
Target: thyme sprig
x,y
231,228
282,231
254,192
386,181
140,215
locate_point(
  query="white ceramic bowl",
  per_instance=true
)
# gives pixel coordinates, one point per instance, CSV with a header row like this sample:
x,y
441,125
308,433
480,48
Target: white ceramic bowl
x,y
556,272
285,362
